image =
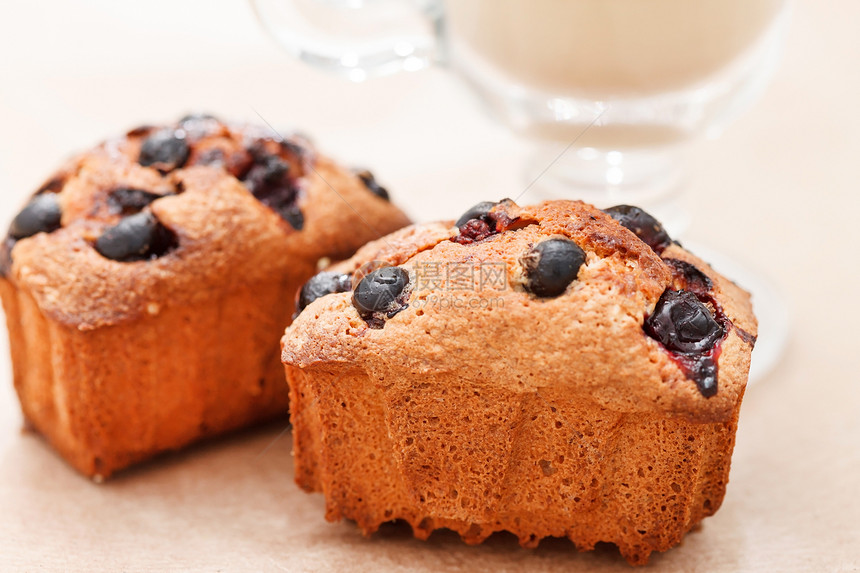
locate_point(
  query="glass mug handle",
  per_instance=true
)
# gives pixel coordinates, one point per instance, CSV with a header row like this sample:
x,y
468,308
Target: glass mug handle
x,y
356,38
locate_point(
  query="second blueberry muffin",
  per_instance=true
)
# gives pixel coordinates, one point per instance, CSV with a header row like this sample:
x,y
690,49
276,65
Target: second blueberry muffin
x,y
147,283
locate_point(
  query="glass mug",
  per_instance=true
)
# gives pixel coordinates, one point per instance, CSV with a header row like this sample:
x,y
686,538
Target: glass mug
x,y
619,85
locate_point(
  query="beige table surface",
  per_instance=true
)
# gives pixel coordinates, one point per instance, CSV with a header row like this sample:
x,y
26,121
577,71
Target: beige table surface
x,y
779,191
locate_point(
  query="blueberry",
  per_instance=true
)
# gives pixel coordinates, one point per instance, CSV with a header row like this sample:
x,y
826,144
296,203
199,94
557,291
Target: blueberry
x,y
472,231
134,238
294,147
481,221
41,215
643,225
704,372
378,291
282,200
372,185
128,201
269,169
165,150
551,265
268,180
480,211
682,323
212,156
476,224
690,277
193,117
292,215
320,285
198,125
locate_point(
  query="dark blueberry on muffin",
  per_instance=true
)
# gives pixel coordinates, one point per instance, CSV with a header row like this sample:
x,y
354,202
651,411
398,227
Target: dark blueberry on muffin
x,y
551,265
268,180
473,231
282,200
682,323
703,372
689,277
199,125
480,212
165,150
130,201
267,169
476,224
41,215
320,285
134,238
372,184
380,292
642,225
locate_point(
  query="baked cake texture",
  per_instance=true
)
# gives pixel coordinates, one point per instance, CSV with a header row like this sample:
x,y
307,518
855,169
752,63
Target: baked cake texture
x,y
147,284
553,370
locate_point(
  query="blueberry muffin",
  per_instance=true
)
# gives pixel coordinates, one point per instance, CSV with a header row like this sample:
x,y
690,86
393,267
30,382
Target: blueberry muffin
x,y
147,284
553,370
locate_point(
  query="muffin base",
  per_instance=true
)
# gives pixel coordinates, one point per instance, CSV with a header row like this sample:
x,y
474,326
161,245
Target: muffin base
x,y
441,451
112,396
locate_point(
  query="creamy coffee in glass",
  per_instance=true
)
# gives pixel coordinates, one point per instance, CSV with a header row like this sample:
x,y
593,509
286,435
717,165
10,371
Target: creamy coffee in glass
x,y
610,51
608,48
617,84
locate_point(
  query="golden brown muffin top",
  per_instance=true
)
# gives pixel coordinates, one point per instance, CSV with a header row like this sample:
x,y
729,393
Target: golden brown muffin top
x,y
630,325
167,213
